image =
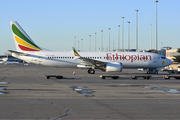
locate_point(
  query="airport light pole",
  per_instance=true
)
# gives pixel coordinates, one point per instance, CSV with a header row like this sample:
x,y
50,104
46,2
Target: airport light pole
x,y
156,27
81,44
75,41
78,44
101,40
90,43
122,33
136,30
118,36
113,44
109,38
150,36
95,41
128,35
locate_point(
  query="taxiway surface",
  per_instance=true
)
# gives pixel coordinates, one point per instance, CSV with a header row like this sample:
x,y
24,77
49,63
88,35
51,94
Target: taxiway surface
x,y
25,93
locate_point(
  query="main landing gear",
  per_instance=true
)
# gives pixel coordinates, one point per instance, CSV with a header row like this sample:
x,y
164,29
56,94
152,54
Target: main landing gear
x,y
91,71
152,71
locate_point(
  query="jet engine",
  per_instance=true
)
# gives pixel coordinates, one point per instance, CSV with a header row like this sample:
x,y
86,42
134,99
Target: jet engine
x,y
114,67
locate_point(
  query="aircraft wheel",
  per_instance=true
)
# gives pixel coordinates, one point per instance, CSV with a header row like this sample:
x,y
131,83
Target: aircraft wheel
x,y
91,71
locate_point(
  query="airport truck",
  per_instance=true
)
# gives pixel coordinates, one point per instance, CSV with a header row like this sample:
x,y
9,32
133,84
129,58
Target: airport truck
x,y
171,70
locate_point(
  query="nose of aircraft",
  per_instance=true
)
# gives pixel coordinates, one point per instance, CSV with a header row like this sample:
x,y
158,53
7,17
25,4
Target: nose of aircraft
x,y
169,62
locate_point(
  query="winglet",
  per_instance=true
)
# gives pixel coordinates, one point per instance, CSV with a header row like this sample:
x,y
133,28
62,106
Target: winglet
x,y
75,52
77,56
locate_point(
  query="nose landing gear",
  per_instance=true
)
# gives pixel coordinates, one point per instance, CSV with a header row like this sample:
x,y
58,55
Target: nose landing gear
x,y
91,71
152,71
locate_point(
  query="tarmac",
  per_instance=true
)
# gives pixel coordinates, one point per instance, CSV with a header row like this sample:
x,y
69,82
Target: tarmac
x,y
25,93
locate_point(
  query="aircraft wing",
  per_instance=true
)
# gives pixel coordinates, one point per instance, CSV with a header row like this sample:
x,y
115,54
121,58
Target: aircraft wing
x,y
88,60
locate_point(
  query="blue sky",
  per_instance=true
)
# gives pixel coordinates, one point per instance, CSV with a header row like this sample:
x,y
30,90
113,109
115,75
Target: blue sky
x,y
53,24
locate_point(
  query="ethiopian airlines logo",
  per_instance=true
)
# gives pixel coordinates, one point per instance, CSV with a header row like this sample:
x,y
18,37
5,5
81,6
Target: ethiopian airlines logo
x,y
23,42
131,58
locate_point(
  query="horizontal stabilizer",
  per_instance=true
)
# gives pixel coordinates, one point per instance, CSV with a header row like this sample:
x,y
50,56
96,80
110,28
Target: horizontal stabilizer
x,y
20,53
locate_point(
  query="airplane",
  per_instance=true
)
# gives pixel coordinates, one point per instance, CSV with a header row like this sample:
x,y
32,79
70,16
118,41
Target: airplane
x,y
4,60
27,50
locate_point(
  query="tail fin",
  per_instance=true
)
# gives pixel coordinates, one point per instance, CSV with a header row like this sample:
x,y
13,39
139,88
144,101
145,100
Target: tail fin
x,y
22,41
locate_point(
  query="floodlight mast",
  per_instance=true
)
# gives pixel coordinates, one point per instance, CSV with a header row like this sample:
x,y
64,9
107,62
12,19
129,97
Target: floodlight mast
x,y
118,36
122,33
136,30
156,27
128,35
101,40
109,38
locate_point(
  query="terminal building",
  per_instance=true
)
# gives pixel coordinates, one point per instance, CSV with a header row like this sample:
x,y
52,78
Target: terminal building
x,y
171,53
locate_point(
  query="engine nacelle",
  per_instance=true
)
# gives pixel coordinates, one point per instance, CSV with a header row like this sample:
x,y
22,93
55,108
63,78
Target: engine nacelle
x,y
114,67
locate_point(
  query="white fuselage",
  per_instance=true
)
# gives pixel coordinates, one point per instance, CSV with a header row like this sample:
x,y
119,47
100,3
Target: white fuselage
x,y
66,59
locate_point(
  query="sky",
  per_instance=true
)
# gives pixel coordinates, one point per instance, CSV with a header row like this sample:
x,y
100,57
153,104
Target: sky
x,y
54,24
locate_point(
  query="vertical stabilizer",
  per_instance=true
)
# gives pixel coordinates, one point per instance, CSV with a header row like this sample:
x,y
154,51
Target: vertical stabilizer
x,y
22,41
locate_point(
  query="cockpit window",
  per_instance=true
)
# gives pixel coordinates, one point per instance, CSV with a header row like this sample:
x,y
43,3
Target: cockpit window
x,y
163,57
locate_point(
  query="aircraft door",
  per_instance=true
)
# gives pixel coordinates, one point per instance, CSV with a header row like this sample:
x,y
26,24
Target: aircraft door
x,y
154,59
39,59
